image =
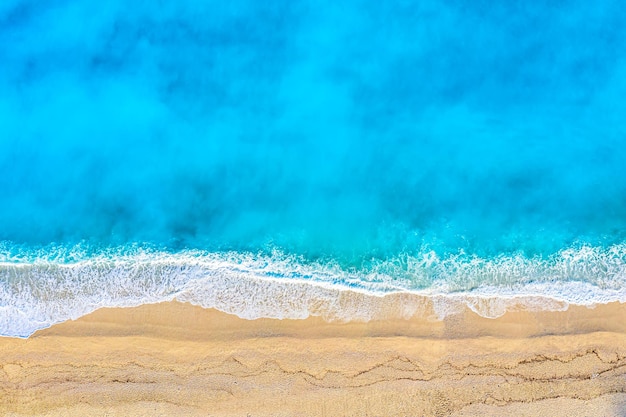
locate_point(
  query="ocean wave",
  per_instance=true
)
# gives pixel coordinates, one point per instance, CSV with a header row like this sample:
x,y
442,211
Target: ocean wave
x,y
41,287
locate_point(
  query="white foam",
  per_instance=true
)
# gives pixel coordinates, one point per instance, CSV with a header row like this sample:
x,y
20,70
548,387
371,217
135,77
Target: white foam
x,y
38,290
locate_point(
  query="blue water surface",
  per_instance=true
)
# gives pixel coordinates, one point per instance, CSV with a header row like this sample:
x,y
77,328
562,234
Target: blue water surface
x,y
346,131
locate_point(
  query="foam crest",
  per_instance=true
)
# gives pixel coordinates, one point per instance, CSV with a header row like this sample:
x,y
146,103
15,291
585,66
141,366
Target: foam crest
x,y
605,268
47,286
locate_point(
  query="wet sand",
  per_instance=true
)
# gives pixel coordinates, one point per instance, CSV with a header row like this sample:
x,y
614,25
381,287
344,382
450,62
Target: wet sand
x,y
177,359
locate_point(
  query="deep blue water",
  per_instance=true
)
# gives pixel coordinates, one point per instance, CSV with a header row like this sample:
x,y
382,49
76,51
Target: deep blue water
x,y
349,133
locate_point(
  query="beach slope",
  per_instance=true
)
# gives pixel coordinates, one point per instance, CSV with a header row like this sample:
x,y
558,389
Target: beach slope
x,y
178,359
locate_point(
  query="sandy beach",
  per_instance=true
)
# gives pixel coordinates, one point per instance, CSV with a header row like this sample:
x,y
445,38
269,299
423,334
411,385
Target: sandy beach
x,y
178,359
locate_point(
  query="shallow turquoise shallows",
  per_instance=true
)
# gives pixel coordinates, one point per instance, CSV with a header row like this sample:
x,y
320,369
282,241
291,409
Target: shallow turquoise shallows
x,y
449,147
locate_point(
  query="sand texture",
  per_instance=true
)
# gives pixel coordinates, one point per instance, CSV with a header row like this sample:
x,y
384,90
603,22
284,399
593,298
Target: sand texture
x,y
176,359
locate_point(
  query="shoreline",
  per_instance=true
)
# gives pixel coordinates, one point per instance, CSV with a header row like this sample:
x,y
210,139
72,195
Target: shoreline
x,y
194,322
176,358
55,284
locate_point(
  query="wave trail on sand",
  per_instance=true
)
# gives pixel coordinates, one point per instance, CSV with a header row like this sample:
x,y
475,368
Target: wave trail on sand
x,y
41,287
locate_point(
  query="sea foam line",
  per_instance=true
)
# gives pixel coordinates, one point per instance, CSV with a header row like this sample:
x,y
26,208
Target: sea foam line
x,y
39,290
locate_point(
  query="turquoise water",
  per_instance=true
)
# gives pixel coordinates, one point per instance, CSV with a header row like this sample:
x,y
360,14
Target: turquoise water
x,y
443,147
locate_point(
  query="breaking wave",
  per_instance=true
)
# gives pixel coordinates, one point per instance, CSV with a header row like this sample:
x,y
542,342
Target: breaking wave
x,y
42,287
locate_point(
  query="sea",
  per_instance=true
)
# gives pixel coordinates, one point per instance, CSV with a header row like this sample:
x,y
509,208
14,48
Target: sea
x,y
297,158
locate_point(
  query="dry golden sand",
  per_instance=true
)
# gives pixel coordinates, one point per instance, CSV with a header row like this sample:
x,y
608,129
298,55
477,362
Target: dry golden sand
x,y
174,359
